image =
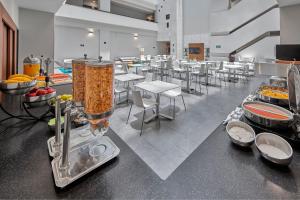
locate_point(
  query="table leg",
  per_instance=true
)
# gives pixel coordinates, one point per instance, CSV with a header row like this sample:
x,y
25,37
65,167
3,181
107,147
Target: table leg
x,y
127,92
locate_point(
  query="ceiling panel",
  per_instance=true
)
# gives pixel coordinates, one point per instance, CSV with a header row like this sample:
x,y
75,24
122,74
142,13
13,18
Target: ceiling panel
x,y
41,5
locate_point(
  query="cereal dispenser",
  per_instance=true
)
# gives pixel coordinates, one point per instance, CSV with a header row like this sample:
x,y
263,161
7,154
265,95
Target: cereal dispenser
x,y
99,94
85,155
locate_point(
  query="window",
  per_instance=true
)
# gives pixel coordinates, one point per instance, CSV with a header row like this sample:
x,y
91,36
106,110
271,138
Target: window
x,y
167,16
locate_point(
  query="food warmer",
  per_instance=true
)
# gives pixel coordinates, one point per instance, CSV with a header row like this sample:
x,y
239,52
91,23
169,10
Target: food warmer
x,y
287,127
82,150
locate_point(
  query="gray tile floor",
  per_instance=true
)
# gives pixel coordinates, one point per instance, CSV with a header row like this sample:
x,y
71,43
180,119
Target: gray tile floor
x,y
163,148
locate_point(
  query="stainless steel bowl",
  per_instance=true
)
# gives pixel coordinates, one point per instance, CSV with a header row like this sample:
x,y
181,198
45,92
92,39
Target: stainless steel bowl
x,y
274,148
17,88
266,122
237,140
39,101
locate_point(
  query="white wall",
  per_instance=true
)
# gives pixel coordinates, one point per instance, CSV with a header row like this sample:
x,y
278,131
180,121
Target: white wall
x,y
123,44
290,25
12,9
173,34
227,20
196,16
112,42
36,34
229,43
68,41
219,5
196,21
265,49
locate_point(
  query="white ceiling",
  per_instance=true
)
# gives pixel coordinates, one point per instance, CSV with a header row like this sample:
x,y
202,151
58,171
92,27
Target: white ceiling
x,y
283,3
145,5
42,5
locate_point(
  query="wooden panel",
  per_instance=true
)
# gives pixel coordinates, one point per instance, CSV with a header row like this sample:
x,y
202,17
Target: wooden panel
x,y
196,51
288,62
8,44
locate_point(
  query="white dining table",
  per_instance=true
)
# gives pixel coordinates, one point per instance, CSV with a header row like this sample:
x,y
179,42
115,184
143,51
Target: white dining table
x,y
127,78
232,71
188,66
157,88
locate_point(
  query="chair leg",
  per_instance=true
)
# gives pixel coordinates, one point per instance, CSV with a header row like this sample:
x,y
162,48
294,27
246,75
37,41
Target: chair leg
x,y
174,109
143,123
129,113
183,103
196,83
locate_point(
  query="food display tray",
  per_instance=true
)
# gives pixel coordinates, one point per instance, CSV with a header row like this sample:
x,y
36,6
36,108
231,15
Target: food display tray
x,y
290,134
83,160
39,101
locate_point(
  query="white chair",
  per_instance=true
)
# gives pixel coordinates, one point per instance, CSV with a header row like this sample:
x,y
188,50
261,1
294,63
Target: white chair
x,y
139,102
198,73
177,69
173,94
222,71
118,91
145,68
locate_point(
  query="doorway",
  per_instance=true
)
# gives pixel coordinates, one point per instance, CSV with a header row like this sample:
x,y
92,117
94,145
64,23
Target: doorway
x,y
164,48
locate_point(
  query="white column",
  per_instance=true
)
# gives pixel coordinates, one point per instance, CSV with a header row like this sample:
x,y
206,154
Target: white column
x,y
104,5
105,44
179,29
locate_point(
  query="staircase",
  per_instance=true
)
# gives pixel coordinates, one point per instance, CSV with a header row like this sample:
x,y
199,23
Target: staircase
x,y
249,24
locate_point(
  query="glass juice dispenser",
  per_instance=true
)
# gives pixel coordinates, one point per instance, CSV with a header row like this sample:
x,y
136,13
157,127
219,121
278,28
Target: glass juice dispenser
x,y
77,160
31,66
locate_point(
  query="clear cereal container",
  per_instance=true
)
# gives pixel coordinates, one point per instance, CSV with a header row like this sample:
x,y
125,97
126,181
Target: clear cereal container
x,y
99,92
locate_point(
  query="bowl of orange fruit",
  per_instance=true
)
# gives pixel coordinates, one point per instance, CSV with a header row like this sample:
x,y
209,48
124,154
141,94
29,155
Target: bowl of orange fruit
x,y
17,84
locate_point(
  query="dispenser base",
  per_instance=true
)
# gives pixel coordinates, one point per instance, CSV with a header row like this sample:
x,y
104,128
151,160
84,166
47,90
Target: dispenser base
x,y
78,136
84,159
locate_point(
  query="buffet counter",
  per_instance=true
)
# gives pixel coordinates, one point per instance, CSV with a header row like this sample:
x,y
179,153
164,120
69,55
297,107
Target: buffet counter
x,y
216,169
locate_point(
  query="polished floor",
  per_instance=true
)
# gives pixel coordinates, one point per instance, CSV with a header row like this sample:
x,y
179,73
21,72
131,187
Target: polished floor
x,y
163,148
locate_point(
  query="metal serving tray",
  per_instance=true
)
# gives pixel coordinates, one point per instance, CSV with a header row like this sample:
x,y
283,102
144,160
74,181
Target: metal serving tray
x,y
79,136
269,123
83,160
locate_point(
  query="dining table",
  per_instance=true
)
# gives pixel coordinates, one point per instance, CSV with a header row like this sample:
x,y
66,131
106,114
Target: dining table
x,y
162,65
232,68
127,78
137,66
188,66
157,88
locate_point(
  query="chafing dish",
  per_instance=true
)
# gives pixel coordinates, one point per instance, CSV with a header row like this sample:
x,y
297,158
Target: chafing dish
x,y
268,122
277,81
272,100
17,88
274,148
